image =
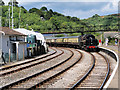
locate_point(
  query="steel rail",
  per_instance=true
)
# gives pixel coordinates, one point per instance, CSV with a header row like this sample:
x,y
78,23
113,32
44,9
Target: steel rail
x,y
83,78
8,67
108,71
34,75
21,68
61,72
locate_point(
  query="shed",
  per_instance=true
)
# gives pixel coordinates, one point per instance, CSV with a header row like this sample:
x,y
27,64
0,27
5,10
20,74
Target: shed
x,y
12,44
39,37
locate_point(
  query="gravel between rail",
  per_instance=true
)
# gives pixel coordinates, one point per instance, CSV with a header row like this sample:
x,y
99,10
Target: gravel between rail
x,y
67,79
30,63
97,75
93,80
36,81
16,77
60,72
18,63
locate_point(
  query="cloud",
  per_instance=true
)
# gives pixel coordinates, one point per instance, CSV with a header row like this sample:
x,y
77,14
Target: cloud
x,y
22,1
109,8
45,5
77,8
80,14
113,6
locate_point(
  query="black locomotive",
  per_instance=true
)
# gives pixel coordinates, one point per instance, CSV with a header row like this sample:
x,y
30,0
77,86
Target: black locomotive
x,y
88,42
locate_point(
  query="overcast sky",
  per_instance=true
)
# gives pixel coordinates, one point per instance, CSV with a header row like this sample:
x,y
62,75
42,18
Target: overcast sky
x,y
78,8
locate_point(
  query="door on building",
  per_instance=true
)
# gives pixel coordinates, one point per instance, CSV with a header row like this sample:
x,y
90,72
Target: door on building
x,y
0,41
14,48
13,51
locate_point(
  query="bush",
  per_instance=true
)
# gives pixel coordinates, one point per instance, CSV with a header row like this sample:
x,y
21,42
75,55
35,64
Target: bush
x,y
60,35
74,34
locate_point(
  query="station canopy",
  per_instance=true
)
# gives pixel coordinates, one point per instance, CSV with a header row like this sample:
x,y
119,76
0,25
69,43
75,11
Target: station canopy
x,y
39,36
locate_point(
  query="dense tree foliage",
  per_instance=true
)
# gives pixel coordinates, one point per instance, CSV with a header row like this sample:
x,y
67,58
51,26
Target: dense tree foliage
x,y
103,22
15,3
44,20
1,3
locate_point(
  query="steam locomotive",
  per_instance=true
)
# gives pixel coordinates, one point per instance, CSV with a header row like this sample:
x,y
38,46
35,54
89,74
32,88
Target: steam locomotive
x,y
88,42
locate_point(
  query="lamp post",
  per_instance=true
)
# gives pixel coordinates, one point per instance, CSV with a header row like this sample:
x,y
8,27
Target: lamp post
x,y
9,16
12,15
19,16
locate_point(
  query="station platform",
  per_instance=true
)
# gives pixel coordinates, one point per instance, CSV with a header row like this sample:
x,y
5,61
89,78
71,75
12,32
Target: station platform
x,y
115,83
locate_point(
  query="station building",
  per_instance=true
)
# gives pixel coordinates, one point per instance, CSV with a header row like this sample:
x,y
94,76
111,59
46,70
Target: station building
x,y
12,45
18,44
36,43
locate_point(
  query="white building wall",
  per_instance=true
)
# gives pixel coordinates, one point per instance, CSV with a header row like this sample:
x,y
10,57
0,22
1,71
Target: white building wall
x,y
21,38
20,50
6,44
0,40
0,47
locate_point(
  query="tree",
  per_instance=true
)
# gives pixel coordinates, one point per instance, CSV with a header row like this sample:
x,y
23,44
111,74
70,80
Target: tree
x,y
68,17
37,11
15,3
55,22
48,15
51,11
40,13
58,14
75,19
2,3
22,7
96,15
33,10
44,9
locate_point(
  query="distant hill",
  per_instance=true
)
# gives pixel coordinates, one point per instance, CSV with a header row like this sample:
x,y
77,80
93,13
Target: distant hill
x,y
44,20
108,21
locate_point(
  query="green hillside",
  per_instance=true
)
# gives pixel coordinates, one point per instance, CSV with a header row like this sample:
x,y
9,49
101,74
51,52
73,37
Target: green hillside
x,y
103,22
44,20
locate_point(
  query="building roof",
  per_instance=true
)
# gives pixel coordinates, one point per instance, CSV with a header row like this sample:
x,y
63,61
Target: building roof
x,y
111,34
39,36
9,31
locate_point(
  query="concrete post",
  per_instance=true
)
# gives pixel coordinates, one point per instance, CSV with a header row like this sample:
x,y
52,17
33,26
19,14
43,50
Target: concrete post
x,y
0,56
23,54
17,50
9,55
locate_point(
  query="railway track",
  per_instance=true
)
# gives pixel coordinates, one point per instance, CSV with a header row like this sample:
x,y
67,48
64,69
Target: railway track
x,y
63,68
71,75
48,75
28,63
20,68
97,75
9,84
93,74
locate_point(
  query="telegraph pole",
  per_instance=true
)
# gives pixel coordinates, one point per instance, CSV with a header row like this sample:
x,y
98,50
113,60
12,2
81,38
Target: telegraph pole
x,y
19,17
12,16
9,16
